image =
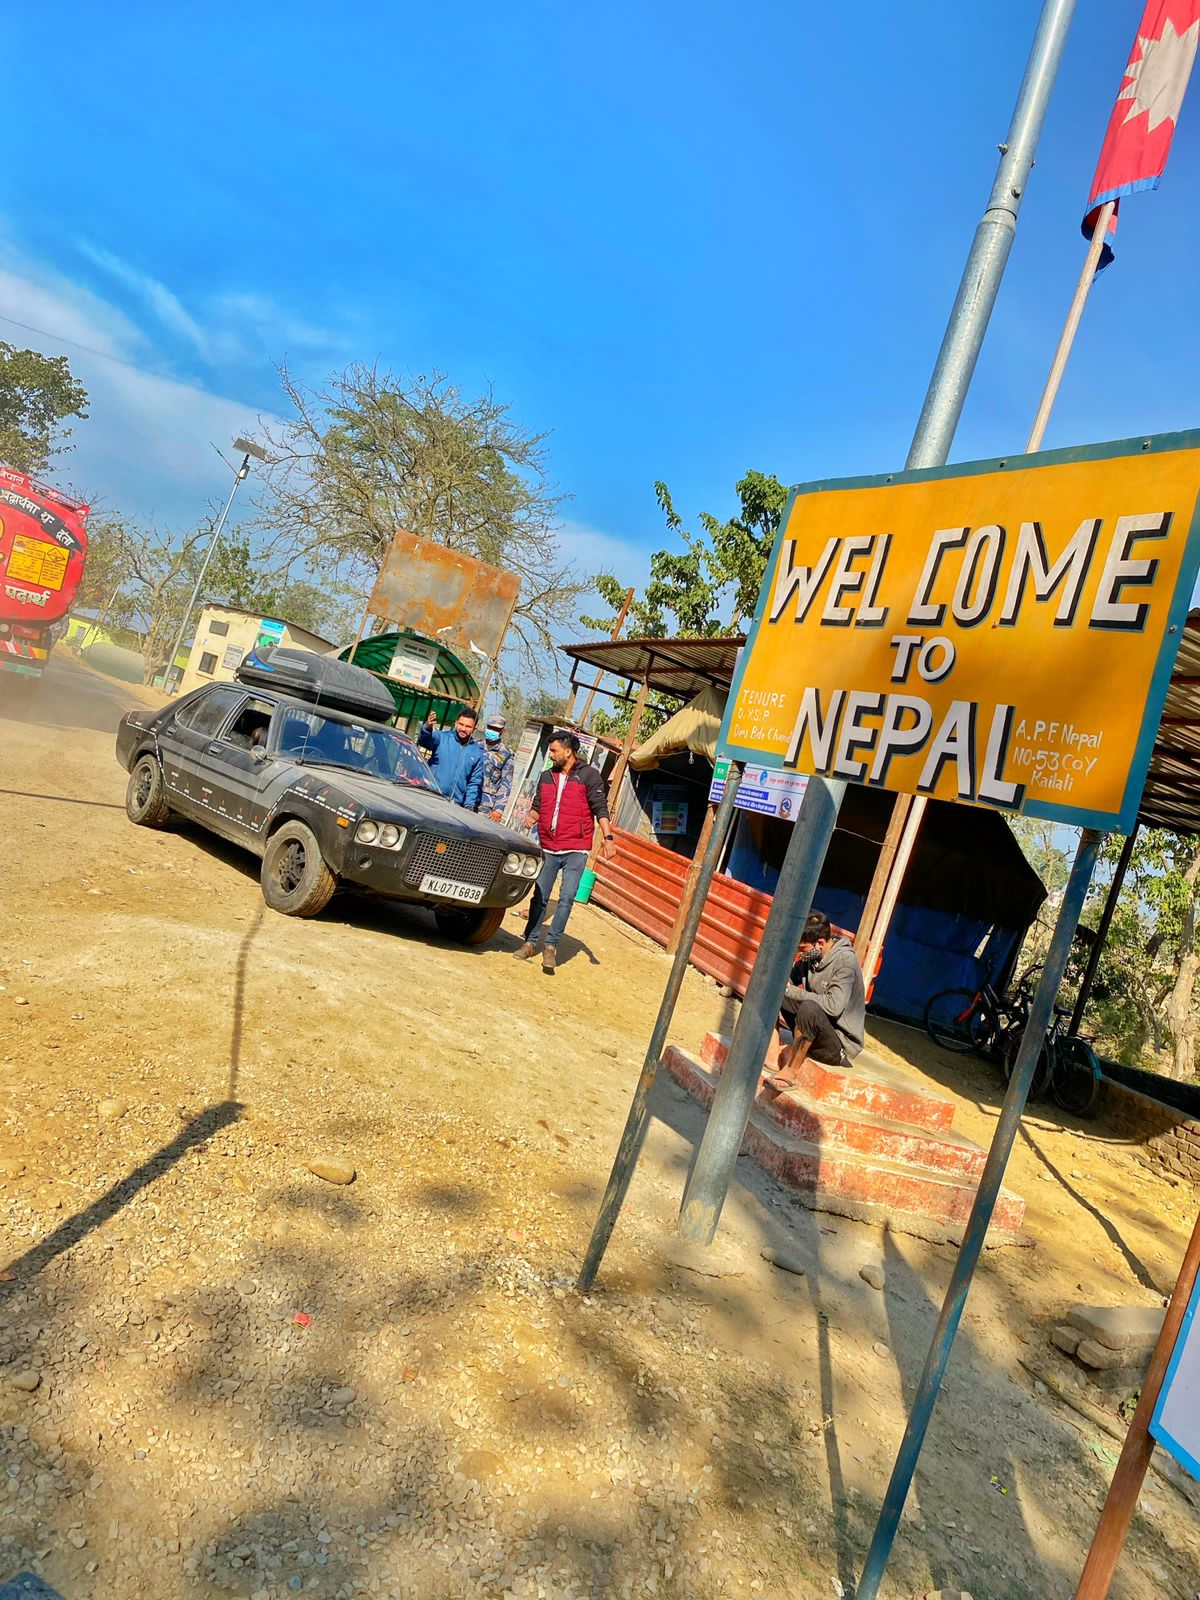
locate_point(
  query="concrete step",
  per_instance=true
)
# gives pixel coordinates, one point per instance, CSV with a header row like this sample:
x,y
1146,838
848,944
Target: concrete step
x,y
848,1128
872,1085
873,1187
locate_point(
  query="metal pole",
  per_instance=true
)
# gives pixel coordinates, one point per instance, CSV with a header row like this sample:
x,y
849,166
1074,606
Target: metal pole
x,y
985,266
981,1215
708,1181
1067,337
990,249
1105,923
241,472
639,1116
1126,1485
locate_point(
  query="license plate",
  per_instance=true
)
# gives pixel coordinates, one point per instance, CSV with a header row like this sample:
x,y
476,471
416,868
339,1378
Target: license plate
x,y
450,889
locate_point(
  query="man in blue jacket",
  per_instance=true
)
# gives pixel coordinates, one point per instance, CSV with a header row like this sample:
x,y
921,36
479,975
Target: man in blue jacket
x,y
456,759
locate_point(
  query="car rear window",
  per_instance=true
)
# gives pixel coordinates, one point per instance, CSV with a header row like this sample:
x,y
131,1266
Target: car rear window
x,y
205,715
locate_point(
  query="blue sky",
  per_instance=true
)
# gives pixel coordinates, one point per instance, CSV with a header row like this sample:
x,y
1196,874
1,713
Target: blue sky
x,y
687,240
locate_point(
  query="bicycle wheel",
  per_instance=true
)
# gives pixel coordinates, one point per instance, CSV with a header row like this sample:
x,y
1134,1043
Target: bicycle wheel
x,y
949,1017
1041,1073
1075,1083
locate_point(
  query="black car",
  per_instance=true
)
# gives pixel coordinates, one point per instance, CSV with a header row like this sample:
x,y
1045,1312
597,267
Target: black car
x,y
322,795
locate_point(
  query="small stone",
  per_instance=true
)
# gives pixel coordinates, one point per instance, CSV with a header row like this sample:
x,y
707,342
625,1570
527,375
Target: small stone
x,y
480,1464
246,1287
11,1166
1099,1356
880,1348
872,1274
77,1538
946,1594
110,1110
1066,1339
785,1260
342,1397
20,1000
331,1171
27,1381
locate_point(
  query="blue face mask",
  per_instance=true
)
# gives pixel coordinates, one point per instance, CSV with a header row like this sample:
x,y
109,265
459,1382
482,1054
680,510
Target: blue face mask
x,y
491,735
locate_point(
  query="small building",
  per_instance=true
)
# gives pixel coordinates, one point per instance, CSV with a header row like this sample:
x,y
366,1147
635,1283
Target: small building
x,y
224,634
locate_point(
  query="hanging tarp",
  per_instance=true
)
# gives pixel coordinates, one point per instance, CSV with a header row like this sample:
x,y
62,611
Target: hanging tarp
x,y
693,728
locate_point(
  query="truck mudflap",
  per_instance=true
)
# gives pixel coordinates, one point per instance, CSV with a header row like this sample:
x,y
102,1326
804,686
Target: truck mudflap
x,y
23,656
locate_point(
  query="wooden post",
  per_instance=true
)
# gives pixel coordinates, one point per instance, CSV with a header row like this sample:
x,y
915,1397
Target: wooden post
x,y
616,633
614,786
362,628
1126,1483
883,871
689,884
912,826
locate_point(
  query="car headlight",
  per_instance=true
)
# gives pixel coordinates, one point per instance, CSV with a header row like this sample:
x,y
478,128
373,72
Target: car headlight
x,y
512,864
387,835
530,866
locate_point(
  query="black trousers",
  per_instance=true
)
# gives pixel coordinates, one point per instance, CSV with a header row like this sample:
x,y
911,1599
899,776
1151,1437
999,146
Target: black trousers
x,y
810,1022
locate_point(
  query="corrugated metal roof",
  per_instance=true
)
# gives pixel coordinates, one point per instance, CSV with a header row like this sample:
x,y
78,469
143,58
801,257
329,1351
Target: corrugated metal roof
x,y
1171,798
680,667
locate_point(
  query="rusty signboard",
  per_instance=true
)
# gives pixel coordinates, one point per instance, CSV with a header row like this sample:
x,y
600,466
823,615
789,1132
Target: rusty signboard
x,y
436,592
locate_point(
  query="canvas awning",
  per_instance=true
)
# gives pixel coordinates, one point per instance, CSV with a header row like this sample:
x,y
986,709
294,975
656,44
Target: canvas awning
x,y
694,727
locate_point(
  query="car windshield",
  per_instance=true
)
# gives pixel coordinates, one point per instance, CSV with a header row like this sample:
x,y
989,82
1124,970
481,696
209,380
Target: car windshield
x,y
360,747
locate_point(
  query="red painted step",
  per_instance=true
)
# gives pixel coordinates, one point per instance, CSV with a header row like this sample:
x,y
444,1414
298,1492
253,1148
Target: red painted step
x,y
906,1178
872,1086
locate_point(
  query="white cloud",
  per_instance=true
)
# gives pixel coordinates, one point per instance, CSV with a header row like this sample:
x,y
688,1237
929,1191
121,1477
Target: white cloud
x,y
280,327
158,299
145,448
593,551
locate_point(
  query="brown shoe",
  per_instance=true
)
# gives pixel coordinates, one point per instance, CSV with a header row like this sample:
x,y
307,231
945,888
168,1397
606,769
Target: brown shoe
x,y
548,959
526,951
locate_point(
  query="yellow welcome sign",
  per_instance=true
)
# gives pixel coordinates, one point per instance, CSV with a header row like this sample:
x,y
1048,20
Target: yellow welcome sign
x,y
999,632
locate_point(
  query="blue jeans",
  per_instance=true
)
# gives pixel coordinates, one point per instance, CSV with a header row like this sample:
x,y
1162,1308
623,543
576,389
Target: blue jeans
x,y
571,864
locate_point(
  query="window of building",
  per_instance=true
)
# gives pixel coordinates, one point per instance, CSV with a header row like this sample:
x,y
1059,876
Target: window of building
x,y
208,664
219,629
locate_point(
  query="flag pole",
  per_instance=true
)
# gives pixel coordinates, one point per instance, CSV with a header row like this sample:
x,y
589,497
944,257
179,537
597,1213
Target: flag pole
x,y
1071,327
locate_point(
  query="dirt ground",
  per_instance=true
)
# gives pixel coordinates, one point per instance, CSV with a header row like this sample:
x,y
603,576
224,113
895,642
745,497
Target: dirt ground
x,y
220,1374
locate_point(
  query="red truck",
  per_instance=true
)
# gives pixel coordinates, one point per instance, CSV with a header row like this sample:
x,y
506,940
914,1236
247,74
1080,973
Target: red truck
x,y
43,546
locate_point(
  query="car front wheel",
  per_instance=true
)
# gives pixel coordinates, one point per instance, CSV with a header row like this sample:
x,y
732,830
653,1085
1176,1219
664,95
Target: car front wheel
x,y
469,927
146,794
295,879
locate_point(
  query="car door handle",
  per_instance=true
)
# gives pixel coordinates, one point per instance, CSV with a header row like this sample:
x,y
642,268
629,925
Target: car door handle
x,y
214,749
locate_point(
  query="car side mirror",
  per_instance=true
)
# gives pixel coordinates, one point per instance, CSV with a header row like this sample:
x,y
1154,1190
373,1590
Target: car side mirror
x,y
258,753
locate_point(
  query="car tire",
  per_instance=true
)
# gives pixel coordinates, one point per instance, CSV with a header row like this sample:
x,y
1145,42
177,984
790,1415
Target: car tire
x,y
295,879
469,927
146,794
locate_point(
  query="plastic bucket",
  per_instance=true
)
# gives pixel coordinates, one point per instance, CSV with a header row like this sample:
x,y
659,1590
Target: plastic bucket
x,y
586,884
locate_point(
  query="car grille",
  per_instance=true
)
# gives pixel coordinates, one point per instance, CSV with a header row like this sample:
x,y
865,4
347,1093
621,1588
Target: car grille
x,y
464,860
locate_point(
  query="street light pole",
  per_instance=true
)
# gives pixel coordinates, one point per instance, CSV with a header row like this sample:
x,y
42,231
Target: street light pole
x,y
248,449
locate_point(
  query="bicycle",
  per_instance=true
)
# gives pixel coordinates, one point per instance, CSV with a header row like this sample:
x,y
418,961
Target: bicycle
x,y
981,1020
1067,1067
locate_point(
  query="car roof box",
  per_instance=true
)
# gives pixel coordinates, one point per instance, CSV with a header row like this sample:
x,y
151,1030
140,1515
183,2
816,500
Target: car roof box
x,y
322,680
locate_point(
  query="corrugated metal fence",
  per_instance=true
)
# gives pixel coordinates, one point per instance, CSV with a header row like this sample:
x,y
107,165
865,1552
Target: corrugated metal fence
x,y
643,885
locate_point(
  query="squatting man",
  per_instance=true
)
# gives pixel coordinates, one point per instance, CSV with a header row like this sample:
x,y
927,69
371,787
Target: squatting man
x,y
825,1004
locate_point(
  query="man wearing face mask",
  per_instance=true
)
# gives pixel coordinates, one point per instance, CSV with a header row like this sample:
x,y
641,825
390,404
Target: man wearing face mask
x,y
497,769
568,805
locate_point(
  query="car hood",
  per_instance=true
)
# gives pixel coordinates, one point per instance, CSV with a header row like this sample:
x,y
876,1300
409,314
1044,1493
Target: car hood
x,y
413,807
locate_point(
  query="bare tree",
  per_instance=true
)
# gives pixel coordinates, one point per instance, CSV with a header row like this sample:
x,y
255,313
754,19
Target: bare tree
x,y
374,452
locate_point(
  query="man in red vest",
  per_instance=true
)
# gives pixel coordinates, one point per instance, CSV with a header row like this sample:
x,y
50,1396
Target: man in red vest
x,y
568,803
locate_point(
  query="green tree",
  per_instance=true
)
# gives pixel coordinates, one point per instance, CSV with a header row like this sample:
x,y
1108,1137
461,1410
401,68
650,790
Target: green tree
x,y
709,589
242,576
1144,1000
375,452
37,395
